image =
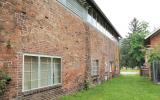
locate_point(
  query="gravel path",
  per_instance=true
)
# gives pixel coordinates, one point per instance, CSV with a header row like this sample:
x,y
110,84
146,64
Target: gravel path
x,y
129,73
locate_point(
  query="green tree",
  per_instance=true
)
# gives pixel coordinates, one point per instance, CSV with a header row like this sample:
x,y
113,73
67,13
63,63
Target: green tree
x,y
124,49
133,51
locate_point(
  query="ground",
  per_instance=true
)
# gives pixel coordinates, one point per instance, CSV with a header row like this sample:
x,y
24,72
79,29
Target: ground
x,y
125,87
129,72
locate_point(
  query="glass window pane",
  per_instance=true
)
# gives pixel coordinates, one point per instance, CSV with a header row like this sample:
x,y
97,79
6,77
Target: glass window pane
x,y
34,84
57,71
45,71
44,75
27,67
57,60
30,71
44,82
34,75
94,68
35,67
27,59
27,76
47,74
27,85
50,82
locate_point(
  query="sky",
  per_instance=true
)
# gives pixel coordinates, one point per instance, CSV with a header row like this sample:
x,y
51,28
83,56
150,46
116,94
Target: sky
x,y
121,12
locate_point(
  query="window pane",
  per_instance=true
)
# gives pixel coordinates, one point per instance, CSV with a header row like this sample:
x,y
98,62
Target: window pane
x,y
35,67
30,72
45,75
50,77
57,71
27,76
27,85
34,84
45,71
27,66
44,82
57,60
34,75
94,68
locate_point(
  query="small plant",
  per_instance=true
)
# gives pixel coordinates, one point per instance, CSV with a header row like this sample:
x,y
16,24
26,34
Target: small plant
x,y
154,54
86,85
4,80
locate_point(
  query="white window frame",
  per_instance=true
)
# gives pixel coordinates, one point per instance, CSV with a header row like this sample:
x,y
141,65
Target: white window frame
x,y
38,55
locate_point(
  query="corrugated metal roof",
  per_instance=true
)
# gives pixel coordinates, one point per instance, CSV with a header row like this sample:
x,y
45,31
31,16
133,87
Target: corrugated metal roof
x,y
96,7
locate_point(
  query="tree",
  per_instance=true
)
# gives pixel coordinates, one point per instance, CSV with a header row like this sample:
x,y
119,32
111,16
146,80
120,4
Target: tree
x,y
124,49
133,26
132,47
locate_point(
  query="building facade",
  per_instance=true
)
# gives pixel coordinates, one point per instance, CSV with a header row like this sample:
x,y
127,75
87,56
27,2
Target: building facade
x,y
50,47
153,41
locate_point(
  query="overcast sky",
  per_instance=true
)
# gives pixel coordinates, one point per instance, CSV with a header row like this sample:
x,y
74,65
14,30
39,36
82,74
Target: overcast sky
x,y
121,12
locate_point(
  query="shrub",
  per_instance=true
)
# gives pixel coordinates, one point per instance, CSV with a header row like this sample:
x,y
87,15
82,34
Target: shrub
x,y
4,80
154,54
86,85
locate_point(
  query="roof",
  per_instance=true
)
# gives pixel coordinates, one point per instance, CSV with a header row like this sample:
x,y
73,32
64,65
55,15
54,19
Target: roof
x,y
96,7
147,38
152,34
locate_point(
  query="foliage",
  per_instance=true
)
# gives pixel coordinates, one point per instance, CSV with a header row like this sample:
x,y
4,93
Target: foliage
x,y
86,85
124,49
153,54
121,88
132,47
4,80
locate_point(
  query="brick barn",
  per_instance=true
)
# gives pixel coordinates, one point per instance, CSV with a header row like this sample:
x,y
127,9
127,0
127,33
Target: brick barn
x,y
152,41
50,47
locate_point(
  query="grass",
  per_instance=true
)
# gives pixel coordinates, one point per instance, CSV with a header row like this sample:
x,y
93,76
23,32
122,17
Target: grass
x,y
121,88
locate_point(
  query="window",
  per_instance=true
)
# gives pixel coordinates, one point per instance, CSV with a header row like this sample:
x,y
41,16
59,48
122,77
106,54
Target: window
x,y
45,71
30,72
89,15
75,7
40,71
57,71
94,68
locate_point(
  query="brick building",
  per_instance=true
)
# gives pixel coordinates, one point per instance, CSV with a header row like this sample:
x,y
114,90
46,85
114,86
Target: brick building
x,y
49,47
153,41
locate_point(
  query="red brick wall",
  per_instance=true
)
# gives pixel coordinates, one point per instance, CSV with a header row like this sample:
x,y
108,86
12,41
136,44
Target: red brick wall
x,y
155,40
45,27
104,50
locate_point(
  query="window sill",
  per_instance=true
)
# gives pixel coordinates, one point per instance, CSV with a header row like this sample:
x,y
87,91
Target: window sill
x,y
30,92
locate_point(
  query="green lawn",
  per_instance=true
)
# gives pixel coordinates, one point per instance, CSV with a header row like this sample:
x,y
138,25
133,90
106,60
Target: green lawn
x,y
122,88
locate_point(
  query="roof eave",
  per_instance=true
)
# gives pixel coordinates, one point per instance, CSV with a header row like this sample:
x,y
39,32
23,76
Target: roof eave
x,y
99,10
152,34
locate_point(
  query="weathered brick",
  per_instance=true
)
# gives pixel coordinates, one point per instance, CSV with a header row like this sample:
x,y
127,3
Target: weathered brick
x,y
46,27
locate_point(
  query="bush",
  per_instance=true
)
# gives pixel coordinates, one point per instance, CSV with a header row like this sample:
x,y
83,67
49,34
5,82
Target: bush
x,y
86,85
154,54
4,80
